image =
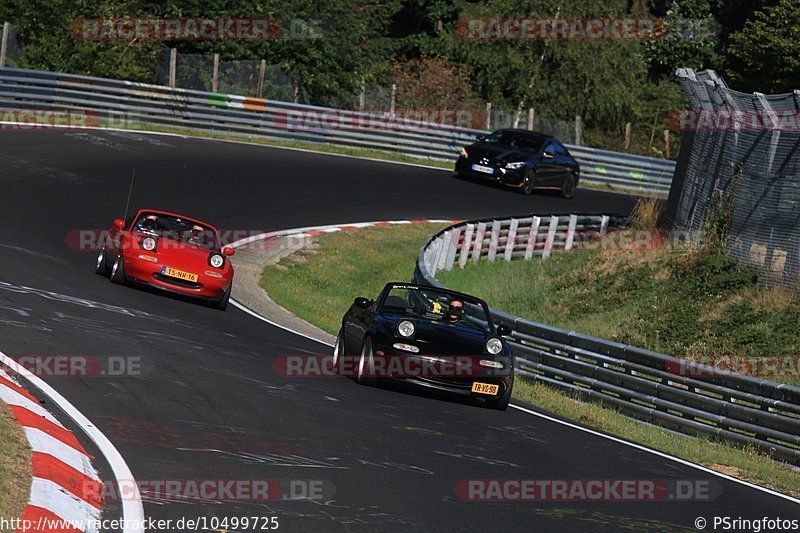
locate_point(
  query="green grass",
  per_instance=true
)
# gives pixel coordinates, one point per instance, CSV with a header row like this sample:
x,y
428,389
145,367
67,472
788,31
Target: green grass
x,y
319,285
15,466
691,304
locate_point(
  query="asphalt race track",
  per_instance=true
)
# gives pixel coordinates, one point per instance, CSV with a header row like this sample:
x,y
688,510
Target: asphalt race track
x,y
208,405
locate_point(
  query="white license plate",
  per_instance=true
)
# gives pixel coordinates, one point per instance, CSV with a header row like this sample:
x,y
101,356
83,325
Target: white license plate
x,y
481,168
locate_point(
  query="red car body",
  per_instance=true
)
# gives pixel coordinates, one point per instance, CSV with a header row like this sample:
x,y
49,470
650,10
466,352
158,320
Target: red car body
x,y
181,260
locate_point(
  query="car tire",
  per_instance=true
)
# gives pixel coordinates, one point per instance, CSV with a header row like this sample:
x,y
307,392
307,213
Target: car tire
x,y
529,182
568,187
222,303
118,271
339,354
501,403
365,373
101,267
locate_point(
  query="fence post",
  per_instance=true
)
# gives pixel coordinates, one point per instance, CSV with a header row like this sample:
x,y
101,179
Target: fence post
x,y
451,250
465,246
261,73
627,145
362,96
493,240
215,74
511,239
530,118
573,221
532,237
4,45
666,143
173,64
578,130
392,102
488,115
478,245
551,237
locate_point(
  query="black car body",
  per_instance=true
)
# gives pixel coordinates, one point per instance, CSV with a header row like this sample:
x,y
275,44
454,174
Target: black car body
x,y
466,356
521,159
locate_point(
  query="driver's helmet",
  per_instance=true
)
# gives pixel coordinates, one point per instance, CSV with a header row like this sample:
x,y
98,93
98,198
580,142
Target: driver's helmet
x,y
196,236
149,223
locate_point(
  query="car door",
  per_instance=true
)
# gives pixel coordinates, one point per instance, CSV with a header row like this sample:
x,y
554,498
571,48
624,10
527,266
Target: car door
x,y
548,172
356,323
563,161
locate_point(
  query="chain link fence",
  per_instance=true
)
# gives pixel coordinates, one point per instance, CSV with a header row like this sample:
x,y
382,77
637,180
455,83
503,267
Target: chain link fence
x,y
742,180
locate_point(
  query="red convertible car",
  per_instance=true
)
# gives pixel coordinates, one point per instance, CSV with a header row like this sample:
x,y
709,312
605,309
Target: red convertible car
x,y
170,252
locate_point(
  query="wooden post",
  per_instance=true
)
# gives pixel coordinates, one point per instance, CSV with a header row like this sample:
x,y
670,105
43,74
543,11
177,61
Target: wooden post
x,y
173,64
215,74
488,115
362,96
578,130
627,145
393,100
666,144
261,74
295,90
530,119
4,45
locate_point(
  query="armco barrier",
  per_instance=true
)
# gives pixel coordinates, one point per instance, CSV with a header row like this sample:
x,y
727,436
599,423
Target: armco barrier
x,y
648,385
122,103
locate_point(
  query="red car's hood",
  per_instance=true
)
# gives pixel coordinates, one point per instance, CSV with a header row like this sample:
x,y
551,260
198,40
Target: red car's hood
x,y
183,256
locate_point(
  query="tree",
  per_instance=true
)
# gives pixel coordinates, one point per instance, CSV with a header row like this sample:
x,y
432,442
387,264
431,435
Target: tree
x,y
765,55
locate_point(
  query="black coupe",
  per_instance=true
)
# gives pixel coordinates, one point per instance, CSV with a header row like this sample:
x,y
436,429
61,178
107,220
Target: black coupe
x,y
430,337
521,159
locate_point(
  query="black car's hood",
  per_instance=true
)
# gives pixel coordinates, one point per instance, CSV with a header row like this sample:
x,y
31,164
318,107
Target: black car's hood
x,y
496,152
444,338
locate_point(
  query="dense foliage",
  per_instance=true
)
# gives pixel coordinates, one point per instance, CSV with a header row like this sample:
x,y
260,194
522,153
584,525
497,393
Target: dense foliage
x,y
420,45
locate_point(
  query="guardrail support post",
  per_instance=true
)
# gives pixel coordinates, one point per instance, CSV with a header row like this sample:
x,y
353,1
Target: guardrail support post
x,y
551,236
532,237
511,239
573,221
215,74
478,245
466,246
4,44
173,63
493,240
261,73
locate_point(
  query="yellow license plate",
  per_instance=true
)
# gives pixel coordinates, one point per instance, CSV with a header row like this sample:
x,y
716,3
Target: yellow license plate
x,y
180,274
485,388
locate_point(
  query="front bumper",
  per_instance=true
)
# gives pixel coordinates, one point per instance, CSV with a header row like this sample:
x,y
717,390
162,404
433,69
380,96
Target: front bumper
x,y
144,272
500,174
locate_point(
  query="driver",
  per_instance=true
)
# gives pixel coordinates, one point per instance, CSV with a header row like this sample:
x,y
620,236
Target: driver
x,y
149,223
196,236
455,311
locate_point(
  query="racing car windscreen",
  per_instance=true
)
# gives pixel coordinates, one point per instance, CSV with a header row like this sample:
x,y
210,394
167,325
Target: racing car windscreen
x,y
189,232
424,302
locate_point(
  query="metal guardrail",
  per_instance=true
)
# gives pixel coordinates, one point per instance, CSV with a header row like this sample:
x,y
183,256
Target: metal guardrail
x,y
668,391
122,102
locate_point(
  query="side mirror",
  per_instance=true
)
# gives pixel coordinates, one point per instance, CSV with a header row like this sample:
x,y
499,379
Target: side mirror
x,y
119,224
361,302
228,251
547,155
503,330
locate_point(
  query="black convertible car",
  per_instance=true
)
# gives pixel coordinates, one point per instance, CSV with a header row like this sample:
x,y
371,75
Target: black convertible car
x,y
430,337
522,159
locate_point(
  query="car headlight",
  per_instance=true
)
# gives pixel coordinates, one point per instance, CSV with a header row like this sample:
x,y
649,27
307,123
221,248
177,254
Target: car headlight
x,y
405,328
494,346
217,261
515,165
149,244
464,152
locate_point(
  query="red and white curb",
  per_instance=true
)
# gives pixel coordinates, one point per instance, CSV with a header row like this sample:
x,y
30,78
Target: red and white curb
x,y
66,491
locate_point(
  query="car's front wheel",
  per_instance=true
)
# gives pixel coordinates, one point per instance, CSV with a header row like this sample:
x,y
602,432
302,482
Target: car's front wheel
x,y
366,365
118,271
501,403
101,266
529,182
338,353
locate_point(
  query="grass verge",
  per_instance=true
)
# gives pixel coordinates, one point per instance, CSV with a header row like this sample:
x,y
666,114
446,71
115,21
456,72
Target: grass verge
x,y
320,283
15,466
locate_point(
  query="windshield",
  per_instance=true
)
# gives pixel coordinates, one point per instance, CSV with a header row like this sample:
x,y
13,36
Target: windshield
x,y
177,229
515,140
437,305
